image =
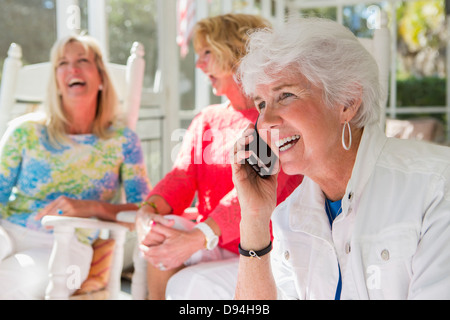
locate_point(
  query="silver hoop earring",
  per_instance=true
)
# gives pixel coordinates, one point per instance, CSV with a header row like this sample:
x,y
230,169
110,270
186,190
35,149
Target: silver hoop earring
x,y
344,145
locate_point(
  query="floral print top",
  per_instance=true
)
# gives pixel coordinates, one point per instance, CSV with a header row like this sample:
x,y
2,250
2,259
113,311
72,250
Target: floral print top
x,y
33,172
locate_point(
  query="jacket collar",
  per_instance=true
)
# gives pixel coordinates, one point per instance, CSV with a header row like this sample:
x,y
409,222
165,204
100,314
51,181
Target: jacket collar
x,y
307,208
370,147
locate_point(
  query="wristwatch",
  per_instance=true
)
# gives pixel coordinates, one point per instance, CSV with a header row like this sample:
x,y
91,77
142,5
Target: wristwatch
x,y
211,238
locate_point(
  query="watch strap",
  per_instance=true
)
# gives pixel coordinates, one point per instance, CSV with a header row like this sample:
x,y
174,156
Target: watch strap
x,y
207,231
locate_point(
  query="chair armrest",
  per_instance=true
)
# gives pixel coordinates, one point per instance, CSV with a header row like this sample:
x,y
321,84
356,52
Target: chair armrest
x,y
64,228
139,279
190,213
88,223
127,216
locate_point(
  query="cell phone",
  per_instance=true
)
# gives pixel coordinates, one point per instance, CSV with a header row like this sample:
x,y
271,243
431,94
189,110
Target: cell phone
x,y
262,159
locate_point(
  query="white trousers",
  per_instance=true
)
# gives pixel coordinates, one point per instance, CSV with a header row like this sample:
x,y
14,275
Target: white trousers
x,y
24,258
215,280
209,275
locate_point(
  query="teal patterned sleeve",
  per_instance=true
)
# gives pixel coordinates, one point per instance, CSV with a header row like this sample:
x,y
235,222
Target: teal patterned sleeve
x,y
133,171
10,163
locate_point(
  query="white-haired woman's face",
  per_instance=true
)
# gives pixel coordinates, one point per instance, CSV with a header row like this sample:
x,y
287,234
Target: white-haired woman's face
x,y
77,75
303,129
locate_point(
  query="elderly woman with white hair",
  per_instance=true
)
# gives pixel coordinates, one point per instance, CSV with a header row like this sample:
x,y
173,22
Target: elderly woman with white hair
x,y
371,219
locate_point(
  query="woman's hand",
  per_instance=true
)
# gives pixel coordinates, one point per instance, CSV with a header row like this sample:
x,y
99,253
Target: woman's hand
x,y
146,216
165,246
257,196
70,207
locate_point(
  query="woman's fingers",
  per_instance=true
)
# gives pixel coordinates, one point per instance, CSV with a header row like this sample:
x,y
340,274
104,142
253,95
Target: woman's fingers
x,y
167,252
240,153
56,207
148,230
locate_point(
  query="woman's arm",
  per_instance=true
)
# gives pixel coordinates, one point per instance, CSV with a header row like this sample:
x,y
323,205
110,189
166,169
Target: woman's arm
x,y
10,164
178,187
84,208
255,280
257,198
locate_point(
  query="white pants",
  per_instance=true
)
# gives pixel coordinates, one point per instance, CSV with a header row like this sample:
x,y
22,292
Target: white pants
x,y
215,280
24,257
209,275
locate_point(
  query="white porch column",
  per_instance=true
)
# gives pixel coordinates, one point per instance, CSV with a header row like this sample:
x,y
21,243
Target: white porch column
x,y
98,24
202,84
266,9
280,7
169,63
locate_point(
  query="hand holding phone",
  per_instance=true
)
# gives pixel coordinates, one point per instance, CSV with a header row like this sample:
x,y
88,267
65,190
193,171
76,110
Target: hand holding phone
x,y
262,159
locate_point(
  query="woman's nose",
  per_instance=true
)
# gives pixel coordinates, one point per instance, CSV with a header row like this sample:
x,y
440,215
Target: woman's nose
x,y
268,119
200,64
267,127
73,67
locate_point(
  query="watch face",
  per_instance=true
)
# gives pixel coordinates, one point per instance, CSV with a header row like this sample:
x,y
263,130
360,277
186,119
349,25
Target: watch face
x,y
212,243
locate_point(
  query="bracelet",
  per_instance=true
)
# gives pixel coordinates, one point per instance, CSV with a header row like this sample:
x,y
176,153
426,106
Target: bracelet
x,y
151,204
255,254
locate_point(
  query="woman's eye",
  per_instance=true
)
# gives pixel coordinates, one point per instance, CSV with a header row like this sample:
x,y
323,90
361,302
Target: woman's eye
x,y
261,105
285,95
206,52
285,98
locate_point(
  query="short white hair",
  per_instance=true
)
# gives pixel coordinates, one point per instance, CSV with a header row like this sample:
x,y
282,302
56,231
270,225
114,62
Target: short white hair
x,y
326,53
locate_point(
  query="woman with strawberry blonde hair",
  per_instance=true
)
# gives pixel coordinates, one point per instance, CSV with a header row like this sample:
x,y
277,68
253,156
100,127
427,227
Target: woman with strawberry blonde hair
x,y
202,168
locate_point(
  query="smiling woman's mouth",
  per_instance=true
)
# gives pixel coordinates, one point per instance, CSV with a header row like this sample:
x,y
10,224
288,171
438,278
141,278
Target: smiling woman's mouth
x,y
76,82
287,143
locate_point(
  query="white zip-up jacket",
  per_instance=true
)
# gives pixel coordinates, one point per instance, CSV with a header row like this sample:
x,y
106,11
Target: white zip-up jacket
x,y
392,239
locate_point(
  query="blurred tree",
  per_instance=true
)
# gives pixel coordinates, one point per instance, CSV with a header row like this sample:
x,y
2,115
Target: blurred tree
x,y
129,21
29,23
422,38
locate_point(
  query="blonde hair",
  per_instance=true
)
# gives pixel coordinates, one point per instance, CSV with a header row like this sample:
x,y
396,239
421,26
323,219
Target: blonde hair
x,y
107,104
227,36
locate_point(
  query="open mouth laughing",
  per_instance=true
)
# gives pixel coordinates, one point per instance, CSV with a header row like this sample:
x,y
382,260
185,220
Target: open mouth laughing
x,y
287,143
76,82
